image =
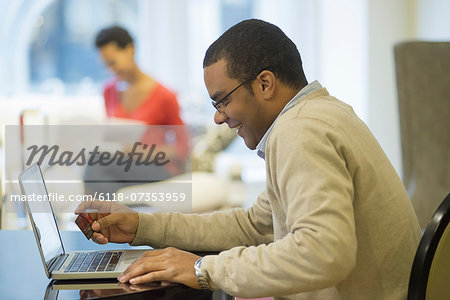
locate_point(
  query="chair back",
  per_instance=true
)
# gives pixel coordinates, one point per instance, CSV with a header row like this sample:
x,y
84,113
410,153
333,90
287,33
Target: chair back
x,y
430,273
423,86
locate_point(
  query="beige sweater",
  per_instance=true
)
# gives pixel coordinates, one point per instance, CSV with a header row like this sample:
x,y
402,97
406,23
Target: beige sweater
x,y
334,222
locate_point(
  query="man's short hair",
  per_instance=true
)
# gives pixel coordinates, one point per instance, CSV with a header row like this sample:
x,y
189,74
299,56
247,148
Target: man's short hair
x,y
113,34
254,45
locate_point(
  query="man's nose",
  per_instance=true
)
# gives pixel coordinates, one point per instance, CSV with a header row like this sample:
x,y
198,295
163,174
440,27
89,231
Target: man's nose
x,y
220,118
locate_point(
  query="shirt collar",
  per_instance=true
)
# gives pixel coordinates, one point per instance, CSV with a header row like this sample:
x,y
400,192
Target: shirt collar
x,y
313,86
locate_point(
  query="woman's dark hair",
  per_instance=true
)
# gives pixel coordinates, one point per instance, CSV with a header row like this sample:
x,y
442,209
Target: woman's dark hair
x,y
254,45
113,34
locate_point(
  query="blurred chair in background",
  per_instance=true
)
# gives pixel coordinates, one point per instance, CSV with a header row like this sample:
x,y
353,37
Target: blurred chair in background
x,y
431,267
423,84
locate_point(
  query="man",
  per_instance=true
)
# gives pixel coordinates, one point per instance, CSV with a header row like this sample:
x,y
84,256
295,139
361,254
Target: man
x,y
334,222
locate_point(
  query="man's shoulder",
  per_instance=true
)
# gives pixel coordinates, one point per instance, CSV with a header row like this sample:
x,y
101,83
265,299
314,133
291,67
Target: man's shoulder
x,y
317,107
316,118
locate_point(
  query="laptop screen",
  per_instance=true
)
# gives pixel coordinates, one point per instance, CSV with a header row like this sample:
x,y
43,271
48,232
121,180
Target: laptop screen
x,y
33,187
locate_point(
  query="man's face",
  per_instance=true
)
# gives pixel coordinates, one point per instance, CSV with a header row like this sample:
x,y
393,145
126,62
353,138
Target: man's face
x,y
118,60
242,110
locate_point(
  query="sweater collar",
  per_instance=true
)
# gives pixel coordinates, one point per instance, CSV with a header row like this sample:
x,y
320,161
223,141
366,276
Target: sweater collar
x,y
313,86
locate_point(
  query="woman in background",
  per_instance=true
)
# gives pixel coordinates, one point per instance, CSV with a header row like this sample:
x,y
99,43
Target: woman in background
x,y
134,95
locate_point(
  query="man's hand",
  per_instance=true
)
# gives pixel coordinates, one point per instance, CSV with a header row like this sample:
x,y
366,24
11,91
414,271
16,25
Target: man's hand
x,y
168,264
113,222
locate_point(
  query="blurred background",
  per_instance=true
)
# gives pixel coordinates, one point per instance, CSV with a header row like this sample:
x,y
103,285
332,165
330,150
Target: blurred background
x,y
48,61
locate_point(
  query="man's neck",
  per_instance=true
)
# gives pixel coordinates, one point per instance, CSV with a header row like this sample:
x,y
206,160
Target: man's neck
x,y
282,97
285,95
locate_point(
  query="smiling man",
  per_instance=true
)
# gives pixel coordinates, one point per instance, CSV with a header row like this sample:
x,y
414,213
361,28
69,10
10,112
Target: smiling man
x,y
334,222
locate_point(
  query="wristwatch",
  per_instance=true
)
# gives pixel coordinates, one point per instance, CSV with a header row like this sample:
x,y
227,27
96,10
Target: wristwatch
x,y
202,282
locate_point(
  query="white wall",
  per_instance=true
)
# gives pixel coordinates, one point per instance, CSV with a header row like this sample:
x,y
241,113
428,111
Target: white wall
x,y
433,20
342,47
356,61
162,47
390,22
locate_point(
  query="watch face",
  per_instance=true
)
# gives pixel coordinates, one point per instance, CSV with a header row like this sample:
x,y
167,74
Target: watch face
x,y
197,264
202,282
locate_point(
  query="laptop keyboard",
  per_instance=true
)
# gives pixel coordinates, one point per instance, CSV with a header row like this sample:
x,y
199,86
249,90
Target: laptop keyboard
x,y
102,261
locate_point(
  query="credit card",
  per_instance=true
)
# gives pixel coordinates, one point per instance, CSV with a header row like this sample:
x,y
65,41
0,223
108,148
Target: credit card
x,y
84,222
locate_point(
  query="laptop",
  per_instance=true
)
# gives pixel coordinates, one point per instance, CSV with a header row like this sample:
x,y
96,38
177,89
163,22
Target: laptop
x,y
57,262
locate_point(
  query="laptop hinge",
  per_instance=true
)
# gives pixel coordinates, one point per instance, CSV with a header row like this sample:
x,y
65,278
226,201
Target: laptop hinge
x,y
56,262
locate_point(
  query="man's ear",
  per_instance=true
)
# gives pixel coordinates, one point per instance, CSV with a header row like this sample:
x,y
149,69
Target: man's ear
x,y
266,84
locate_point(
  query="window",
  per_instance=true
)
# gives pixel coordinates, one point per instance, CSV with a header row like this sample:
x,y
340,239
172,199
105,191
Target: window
x,y
62,53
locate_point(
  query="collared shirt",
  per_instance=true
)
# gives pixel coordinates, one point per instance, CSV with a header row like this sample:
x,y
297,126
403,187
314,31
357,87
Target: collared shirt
x,y
313,86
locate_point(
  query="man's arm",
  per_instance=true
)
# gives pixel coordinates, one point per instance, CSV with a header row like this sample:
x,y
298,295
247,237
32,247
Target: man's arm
x,y
213,232
208,232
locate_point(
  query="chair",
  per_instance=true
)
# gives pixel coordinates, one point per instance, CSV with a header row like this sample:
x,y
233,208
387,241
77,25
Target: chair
x,y
430,273
423,84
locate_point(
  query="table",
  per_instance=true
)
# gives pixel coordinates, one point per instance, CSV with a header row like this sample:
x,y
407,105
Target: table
x,y
22,274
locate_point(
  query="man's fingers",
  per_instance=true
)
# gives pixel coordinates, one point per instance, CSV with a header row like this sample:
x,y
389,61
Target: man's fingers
x,y
105,222
149,277
94,216
139,267
137,264
99,238
133,270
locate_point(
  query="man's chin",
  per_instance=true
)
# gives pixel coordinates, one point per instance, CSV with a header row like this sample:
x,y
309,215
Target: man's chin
x,y
250,145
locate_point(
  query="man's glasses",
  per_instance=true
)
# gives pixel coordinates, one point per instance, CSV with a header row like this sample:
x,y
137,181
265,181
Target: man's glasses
x,y
219,105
